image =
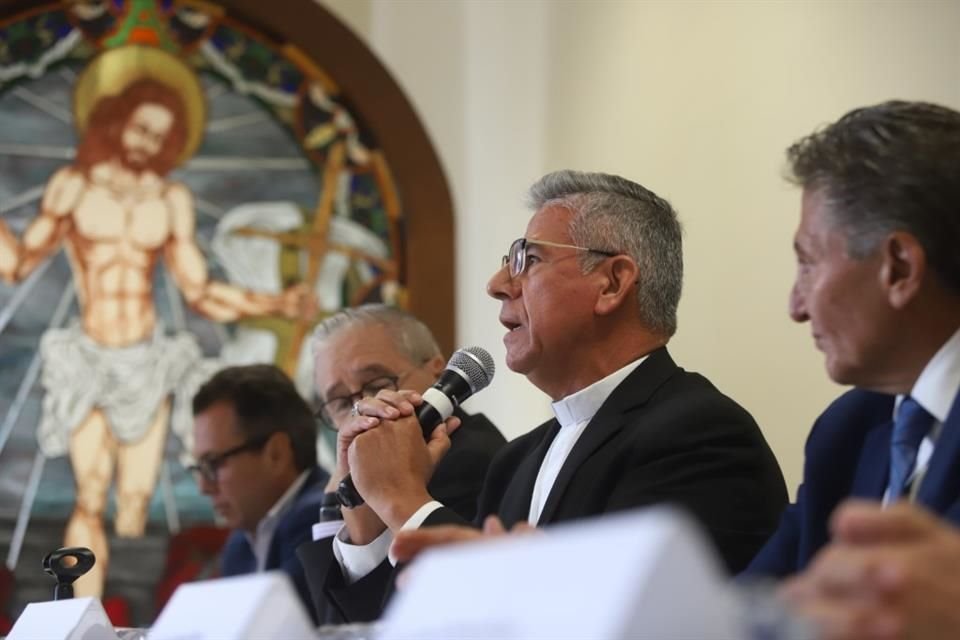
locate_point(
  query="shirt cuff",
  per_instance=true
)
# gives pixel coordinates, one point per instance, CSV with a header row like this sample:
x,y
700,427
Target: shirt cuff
x,y
420,515
356,561
414,521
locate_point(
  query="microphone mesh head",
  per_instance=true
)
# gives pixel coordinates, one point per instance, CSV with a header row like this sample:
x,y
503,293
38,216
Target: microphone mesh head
x,y
476,364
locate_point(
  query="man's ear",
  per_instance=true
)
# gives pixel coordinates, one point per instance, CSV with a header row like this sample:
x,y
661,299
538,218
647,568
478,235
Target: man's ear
x,y
620,277
903,268
279,450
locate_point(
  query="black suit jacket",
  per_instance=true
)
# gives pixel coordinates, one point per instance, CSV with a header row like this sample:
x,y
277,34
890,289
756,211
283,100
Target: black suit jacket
x,y
456,482
663,436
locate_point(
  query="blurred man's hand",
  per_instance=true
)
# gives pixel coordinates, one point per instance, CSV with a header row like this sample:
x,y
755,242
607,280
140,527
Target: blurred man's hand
x,y
888,574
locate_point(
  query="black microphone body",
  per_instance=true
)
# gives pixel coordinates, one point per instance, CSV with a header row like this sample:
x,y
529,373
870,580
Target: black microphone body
x,y
468,371
429,417
441,400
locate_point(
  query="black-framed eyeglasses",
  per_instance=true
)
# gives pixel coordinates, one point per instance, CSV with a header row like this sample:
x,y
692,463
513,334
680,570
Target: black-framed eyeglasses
x,y
338,408
207,467
516,258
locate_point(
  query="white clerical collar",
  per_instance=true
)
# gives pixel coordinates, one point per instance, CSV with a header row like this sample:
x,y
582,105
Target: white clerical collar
x,y
579,407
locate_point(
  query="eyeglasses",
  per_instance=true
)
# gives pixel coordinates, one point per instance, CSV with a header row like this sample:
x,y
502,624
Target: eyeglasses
x,y
516,258
338,408
207,467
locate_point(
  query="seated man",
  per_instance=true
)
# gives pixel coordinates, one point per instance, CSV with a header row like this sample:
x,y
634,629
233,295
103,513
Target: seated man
x,y
878,279
255,444
359,352
589,298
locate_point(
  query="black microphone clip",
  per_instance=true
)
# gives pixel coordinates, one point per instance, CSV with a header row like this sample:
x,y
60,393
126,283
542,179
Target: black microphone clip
x,y
66,565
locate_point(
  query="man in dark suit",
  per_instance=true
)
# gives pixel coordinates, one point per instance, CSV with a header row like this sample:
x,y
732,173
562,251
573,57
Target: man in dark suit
x,y
588,297
360,352
256,452
879,281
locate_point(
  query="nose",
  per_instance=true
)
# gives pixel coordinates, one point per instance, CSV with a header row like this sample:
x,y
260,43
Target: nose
x,y
501,285
797,304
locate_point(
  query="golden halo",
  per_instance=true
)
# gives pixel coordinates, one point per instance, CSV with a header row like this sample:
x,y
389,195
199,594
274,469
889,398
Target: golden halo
x,y
113,70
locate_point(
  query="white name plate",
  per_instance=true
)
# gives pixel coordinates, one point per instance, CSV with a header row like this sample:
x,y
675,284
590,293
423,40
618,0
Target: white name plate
x,y
259,605
640,575
73,619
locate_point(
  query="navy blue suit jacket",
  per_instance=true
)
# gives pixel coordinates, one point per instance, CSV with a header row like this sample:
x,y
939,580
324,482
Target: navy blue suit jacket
x,y
294,528
848,456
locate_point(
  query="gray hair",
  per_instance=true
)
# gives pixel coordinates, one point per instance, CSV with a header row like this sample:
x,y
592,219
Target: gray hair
x,y
888,167
411,336
613,214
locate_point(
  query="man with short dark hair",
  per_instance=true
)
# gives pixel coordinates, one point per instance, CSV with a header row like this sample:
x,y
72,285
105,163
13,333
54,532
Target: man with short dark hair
x,y
588,298
878,280
256,452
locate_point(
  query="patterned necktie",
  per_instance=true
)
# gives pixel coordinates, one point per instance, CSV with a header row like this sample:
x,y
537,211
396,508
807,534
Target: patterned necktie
x,y
911,426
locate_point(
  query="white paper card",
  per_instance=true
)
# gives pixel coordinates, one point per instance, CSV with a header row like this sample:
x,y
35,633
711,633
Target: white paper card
x,y
645,574
73,619
259,605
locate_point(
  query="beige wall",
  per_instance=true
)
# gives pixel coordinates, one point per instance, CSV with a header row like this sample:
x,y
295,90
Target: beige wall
x,y
696,100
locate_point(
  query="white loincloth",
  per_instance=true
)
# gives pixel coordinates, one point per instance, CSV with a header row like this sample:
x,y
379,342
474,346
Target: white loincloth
x,y
128,384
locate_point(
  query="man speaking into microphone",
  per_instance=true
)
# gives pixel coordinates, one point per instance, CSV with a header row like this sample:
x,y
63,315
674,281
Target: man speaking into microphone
x,y
361,352
588,300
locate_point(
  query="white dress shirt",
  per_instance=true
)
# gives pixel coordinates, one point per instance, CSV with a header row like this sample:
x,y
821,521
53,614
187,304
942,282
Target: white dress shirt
x,y
573,412
935,391
260,541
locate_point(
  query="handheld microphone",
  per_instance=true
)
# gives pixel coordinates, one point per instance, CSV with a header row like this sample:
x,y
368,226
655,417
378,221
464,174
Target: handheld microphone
x,y
468,371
